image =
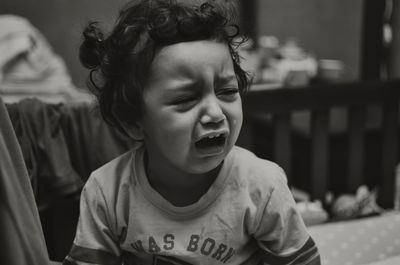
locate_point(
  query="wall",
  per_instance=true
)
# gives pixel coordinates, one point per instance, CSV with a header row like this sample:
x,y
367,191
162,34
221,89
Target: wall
x,y
62,22
330,29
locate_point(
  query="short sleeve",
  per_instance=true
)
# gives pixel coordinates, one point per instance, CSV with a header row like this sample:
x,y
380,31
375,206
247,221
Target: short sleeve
x,y
95,242
281,233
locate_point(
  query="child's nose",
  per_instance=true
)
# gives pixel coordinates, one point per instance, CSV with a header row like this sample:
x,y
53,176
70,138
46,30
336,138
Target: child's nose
x,y
212,112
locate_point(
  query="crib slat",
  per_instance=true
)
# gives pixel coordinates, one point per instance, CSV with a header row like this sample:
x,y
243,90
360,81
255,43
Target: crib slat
x,y
356,124
319,153
282,143
326,96
389,152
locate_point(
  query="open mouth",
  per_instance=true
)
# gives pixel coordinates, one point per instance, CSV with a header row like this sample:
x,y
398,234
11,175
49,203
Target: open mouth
x,y
211,144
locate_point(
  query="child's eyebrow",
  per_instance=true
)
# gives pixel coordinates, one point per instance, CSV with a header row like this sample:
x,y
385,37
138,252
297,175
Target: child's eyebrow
x,y
180,88
190,86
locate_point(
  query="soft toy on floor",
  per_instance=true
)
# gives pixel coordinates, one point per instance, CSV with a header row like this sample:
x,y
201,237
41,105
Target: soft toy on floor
x,y
312,212
348,206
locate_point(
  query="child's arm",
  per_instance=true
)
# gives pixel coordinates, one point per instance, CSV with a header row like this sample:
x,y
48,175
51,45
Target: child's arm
x,y
94,242
281,233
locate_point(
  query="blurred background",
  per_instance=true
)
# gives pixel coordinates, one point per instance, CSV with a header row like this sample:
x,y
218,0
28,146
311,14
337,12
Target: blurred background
x,y
351,37
346,51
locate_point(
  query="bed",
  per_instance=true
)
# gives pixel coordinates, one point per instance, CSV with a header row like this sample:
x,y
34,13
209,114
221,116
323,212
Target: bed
x,y
274,129
372,240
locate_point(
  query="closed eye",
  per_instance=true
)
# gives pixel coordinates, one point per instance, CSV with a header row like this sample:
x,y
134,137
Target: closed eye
x,y
227,93
184,103
183,100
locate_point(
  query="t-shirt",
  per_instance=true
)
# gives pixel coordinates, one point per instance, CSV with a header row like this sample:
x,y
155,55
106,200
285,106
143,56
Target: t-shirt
x,y
247,216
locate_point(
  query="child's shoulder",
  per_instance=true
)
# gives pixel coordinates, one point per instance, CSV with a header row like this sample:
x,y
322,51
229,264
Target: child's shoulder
x,y
255,169
115,170
248,160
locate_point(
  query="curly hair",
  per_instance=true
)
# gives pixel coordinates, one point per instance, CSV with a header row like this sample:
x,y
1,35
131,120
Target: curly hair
x,y
119,63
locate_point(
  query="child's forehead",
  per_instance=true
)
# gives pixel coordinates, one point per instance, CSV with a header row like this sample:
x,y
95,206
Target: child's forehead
x,y
186,65
200,50
196,54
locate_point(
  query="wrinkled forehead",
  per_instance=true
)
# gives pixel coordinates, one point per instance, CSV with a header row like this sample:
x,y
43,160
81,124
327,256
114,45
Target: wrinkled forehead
x,y
192,57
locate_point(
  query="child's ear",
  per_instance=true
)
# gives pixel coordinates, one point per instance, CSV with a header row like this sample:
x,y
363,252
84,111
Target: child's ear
x,y
134,131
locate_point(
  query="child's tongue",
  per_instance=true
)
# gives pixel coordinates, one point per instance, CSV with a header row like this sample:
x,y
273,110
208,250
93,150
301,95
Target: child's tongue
x,y
210,145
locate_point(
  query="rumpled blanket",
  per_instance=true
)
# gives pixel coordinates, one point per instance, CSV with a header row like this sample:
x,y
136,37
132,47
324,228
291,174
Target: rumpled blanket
x,y
62,144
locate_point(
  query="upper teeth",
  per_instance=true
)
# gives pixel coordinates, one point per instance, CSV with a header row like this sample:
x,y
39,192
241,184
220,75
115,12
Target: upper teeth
x,y
213,136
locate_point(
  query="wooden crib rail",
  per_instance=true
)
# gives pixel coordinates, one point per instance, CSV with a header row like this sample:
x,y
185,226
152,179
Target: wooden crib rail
x,y
319,100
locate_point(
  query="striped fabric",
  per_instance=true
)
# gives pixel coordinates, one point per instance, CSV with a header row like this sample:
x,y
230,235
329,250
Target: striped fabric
x,y
93,256
306,255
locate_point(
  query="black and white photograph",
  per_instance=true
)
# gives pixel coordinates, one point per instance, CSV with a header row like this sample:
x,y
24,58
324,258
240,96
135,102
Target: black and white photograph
x,y
200,132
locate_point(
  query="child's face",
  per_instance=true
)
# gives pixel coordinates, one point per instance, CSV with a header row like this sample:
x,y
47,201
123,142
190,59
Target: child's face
x,y
192,107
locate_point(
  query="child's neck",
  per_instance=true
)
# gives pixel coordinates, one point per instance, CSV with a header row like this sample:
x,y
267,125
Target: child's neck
x,y
180,188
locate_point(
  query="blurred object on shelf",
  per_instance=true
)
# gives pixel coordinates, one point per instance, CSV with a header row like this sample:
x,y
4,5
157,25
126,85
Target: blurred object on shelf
x,y
331,71
288,65
285,65
295,67
291,50
269,55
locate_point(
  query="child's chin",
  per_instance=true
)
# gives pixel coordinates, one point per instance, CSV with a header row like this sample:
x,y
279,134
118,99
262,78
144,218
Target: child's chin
x,y
208,164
